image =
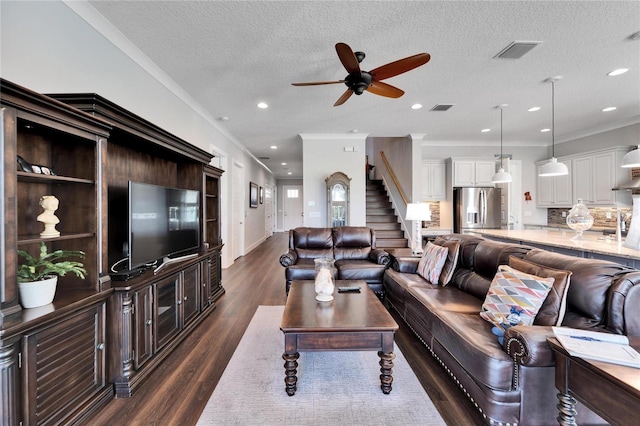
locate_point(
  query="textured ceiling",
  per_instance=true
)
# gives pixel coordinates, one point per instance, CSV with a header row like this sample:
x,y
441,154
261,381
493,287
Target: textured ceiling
x,y
229,55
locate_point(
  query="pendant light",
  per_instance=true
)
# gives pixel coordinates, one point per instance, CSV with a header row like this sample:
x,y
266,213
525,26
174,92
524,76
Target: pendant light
x,y
501,176
631,159
553,168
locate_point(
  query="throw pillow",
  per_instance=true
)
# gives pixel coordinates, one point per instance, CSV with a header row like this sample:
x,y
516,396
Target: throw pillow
x,y
432,262
554,306
514,297
452,259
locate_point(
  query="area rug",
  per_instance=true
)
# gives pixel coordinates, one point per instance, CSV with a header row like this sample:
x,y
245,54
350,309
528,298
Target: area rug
x,y
334,388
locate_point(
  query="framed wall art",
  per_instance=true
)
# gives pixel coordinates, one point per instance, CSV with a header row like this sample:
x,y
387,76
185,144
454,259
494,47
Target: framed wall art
x,y
253,195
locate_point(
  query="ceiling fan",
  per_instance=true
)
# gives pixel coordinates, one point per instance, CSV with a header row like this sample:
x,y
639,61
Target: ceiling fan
x,y
358,81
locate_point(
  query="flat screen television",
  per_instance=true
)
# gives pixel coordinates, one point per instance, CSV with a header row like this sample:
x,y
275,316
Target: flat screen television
x,y
163,222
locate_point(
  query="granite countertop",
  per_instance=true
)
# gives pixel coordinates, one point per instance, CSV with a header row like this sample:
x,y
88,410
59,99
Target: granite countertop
x,y
591,242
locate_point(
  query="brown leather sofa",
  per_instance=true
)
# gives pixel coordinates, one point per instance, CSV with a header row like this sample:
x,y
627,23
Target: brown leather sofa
x,y
352,247
513,383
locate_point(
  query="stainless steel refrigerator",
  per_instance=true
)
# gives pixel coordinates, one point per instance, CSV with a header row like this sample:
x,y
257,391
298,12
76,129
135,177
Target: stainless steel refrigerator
x,y
476,208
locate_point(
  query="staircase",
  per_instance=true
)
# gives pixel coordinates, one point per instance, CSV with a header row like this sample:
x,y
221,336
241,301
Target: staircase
x,y
381,217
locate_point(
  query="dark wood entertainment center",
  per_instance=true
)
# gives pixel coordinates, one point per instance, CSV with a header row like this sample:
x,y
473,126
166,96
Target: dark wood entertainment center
x,y
100,337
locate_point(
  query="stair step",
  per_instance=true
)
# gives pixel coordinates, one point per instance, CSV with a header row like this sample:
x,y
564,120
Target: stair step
x,y
381,218
379,211
377,196
382,226
391,233
391,242
376,205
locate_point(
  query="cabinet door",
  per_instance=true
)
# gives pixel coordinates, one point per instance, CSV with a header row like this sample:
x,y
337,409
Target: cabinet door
x,y
205,294
167,314
143,329
432,182
484,171
604,178
464,173
546,190
582,169
190,294
64,366
563,189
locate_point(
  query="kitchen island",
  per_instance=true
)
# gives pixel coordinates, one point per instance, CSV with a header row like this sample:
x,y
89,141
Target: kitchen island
x,y
592,246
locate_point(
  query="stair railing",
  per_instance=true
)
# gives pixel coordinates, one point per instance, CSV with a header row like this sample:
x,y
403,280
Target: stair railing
x,y
395,192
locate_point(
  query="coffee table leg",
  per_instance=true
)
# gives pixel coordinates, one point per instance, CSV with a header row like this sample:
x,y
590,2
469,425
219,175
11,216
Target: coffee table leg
x,y
386,371
290,371
567,409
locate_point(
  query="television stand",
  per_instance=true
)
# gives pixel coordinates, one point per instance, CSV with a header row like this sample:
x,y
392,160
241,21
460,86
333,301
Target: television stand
x,y
168,261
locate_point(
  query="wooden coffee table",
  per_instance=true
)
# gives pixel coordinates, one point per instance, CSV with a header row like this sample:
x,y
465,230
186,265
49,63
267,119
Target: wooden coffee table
x,y
350,322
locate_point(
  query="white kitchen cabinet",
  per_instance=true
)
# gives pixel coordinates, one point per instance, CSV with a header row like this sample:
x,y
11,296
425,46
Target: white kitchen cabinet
x,y
473,172
433,181
554,191
591,177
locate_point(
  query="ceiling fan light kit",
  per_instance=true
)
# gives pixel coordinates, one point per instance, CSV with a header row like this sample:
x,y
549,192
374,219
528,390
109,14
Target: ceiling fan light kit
x,y
358,81
553,167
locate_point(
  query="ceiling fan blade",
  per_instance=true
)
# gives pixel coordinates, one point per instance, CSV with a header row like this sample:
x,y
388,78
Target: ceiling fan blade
x,y
384,89
346,95
400,66
348,58
317,83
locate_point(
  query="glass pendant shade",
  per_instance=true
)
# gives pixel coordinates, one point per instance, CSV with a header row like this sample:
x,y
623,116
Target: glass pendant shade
x,y
501,176
631,159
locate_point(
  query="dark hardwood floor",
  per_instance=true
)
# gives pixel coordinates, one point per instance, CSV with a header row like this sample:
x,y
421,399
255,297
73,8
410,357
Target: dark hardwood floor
x,y
177,391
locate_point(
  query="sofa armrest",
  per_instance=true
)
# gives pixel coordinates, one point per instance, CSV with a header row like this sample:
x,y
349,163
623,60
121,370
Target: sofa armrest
x,y
527,345
405,264
380,257
289,258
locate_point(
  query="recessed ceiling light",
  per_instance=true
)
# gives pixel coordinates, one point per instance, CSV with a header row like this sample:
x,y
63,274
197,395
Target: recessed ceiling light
x,y
607,109
273,147
618,72
223,118
284,164
545,130
262,105
533,109
289,173
485,130
416,106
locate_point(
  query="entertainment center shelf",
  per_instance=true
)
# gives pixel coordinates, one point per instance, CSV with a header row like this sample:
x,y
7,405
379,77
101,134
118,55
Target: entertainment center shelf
x,y
107,335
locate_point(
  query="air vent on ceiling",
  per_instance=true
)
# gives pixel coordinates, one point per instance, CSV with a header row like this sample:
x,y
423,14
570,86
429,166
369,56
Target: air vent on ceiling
x,y
441,107
517,49
264,158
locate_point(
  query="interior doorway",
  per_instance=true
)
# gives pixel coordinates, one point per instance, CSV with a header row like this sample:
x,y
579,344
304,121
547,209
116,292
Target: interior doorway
x,y
238,216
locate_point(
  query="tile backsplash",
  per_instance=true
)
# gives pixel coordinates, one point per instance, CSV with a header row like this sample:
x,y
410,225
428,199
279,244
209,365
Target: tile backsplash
x,y
600,219
435,215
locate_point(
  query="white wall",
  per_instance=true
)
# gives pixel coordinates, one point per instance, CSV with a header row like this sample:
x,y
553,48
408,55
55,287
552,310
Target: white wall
x,y
323,155
49,48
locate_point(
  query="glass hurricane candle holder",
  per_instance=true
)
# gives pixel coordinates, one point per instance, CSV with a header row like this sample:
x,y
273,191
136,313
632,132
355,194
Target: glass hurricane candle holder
x,y
579,219
325,286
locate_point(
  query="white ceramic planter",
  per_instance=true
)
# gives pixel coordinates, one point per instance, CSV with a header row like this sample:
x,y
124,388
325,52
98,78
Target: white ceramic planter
x,y
38,293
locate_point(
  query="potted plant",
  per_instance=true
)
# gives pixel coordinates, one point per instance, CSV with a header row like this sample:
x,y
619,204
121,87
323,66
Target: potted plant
x,y
38,276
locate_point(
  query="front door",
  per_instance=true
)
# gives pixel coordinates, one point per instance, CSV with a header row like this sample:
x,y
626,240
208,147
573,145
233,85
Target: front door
x,y
293,214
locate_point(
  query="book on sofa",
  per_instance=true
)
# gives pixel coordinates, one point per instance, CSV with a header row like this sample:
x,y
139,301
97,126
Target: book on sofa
x,y
613,348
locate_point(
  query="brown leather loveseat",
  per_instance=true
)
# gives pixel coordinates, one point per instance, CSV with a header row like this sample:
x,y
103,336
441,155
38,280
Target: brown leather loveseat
x,y
352,247
512,383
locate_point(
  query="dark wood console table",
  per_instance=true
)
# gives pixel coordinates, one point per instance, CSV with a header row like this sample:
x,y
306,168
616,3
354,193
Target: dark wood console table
x,y
612,391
